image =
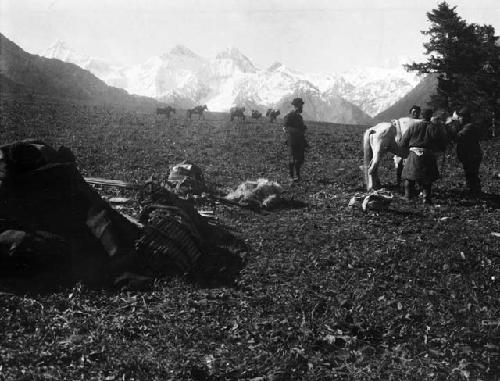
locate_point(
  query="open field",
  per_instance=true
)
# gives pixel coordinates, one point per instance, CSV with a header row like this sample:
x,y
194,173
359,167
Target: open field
x,y
411,293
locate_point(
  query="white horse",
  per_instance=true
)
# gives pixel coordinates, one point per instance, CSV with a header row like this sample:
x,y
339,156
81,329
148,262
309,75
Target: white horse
x,y
385,137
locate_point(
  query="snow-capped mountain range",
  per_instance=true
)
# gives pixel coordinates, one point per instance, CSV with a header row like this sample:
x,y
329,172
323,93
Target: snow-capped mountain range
x,y
183,79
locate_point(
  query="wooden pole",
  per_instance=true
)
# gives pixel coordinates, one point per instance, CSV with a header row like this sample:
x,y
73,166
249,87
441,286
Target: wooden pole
x,y
112,183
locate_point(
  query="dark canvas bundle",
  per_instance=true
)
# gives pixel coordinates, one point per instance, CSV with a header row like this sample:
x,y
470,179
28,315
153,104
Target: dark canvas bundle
x,y
52,222
41,189
25,253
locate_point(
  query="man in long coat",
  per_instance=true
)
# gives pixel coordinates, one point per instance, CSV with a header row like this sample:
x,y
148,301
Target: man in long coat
x,y
422,140
469,151
295,128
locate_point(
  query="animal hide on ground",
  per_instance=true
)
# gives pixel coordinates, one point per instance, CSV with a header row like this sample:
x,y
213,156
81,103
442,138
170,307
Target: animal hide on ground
x,y
262,193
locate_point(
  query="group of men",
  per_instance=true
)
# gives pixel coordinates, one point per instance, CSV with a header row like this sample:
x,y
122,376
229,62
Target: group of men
x,y
421,140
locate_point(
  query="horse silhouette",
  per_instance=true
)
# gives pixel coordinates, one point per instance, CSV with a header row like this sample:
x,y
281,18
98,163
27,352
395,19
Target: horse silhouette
x,y
196,110
272,114
385,137
256,114
165,111
237,112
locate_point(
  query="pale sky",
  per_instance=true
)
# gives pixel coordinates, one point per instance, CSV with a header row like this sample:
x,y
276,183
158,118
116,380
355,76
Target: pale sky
x,y
325,36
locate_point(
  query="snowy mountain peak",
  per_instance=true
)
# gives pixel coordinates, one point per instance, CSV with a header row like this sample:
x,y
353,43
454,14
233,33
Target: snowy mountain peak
x,y
281,69
372,74
108,72
275,66
184,79
239,59
231,52
61,50
181,50
59,45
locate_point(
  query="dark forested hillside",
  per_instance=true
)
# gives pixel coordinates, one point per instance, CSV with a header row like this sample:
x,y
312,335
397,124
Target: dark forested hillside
x,y
22,72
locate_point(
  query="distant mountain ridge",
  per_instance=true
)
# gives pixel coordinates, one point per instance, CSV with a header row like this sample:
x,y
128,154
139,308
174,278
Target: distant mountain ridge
x,y
22,72
419,96
183,78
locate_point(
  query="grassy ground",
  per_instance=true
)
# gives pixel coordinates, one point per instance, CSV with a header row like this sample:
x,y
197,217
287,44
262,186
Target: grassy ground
x,y
326,293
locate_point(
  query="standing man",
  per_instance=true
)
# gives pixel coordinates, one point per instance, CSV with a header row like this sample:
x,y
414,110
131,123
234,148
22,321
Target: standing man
x,y
422,139
295,128
469,151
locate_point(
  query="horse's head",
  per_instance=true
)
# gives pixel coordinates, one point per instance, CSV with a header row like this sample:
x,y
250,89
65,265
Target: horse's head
x,y
440,116
449,124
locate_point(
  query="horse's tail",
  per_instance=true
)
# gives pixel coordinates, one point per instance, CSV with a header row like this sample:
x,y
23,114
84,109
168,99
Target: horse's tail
x,y
367,155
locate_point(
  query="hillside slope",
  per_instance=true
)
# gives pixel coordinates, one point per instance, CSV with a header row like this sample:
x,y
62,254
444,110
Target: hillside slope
x,y
21,71
420,95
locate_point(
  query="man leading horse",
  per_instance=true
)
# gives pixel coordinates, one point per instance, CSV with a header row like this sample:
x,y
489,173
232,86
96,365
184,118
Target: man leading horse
x,y
386,137
422,140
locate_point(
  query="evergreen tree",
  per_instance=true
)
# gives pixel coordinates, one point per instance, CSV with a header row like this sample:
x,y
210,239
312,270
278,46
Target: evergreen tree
x,y
466,58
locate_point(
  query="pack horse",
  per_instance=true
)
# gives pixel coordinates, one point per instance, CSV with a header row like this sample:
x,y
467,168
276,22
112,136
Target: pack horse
x,y
385,137
256,114
272,114
237,112
165,111
196,110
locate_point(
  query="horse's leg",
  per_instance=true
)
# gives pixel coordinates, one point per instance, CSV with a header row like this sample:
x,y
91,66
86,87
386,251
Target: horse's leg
x,y
398,163
373,179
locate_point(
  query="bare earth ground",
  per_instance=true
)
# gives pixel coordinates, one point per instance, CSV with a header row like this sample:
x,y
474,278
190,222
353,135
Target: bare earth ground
x,y
326,293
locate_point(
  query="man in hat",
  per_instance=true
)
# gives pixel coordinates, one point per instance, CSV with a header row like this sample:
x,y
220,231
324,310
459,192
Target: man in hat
x,y
295,128
414,112
422,140
469,151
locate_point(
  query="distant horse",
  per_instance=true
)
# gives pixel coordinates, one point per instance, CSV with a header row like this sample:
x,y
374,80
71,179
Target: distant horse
x,y
165,111
237,112
385,137
272,114
256,114
197,110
